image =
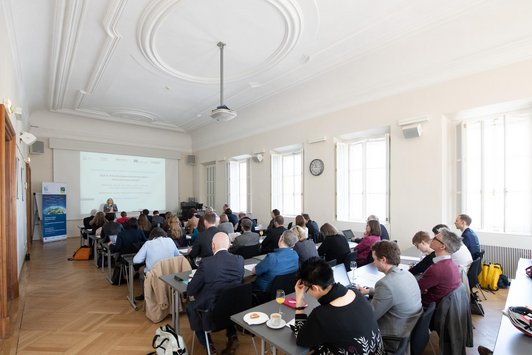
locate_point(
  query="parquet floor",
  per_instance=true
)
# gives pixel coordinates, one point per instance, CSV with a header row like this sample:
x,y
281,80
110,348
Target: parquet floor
x,y
68,307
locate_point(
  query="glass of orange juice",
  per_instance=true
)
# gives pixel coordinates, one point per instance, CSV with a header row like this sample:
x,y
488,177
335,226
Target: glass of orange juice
x,y
279,298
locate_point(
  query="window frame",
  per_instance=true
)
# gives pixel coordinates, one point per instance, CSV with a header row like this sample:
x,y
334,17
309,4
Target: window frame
x,y
277,193
361,138
246,161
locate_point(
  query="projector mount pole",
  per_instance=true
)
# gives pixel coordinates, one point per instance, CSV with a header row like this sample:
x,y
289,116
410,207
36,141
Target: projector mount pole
x,y
221,45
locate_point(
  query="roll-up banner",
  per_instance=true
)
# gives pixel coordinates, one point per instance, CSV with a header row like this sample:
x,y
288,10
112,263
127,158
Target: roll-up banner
x,y
54,225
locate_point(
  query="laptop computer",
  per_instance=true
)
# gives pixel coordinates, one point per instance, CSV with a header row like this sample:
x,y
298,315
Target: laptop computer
x,y
348,234
340,275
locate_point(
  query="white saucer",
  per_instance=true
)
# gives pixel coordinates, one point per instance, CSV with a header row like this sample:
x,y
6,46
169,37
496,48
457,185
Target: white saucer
x,y
263,318
269,324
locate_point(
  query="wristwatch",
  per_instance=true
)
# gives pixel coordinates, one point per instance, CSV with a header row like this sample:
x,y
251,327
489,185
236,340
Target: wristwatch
x,y
300,308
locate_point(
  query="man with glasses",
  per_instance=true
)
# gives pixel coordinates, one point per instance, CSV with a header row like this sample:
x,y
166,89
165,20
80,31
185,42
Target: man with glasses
x,y
443,276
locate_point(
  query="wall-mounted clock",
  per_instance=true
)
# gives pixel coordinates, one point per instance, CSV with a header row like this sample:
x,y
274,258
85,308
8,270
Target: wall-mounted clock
x,y
316,167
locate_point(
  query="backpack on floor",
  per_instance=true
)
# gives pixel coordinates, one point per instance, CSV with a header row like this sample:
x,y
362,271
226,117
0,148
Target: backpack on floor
x,y
489,276
167,342
83,253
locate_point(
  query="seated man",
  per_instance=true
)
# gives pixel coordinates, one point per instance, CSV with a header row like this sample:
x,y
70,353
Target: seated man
x,y
469,237
396,299
215,273
110,228
123,218
202,245
158,247
313,229
157,220
272,236
247,237
242,216
130,240
443,276
421,241
281,261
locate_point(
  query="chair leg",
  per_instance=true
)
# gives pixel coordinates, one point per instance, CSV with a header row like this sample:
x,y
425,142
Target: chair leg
x,y
207,343
193,340
482,292
254,345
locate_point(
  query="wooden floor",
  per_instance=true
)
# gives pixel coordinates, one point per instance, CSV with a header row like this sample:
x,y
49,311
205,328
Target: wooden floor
x,y
68,307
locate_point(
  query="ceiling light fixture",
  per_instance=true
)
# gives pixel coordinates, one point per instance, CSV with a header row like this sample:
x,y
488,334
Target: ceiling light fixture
x,y
222,112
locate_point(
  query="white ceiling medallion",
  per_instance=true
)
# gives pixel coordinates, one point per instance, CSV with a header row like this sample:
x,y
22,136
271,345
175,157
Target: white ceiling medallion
x,y
155,15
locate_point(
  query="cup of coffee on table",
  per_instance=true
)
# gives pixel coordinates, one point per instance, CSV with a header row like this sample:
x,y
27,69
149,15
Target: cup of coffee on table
x,y
275,319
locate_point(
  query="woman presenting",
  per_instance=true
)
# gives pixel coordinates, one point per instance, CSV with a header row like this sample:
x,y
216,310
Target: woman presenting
x,y
110,206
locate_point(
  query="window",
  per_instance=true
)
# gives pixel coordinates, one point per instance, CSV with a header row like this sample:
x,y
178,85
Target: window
x,y
495,172
210,171
287,182
362,179
239,197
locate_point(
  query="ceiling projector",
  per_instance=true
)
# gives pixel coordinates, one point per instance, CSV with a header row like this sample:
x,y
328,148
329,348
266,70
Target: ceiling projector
x,y
223,114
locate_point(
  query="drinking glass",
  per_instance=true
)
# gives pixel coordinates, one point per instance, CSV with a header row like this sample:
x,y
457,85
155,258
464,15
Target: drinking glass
x,y
279,298
353,269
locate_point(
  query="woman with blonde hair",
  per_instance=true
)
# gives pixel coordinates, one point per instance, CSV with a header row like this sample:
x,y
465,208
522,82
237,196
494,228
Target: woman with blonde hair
x,y
305,248
175,232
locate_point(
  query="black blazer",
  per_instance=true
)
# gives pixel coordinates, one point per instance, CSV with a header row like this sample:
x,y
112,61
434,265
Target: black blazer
x,y
214,274
202,246
272,240
334,247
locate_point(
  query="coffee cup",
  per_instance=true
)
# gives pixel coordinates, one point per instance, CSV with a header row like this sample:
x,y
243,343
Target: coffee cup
x,y
275,319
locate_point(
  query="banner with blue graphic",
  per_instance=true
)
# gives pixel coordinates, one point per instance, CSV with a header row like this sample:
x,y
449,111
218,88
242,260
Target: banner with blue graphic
x,y
54,226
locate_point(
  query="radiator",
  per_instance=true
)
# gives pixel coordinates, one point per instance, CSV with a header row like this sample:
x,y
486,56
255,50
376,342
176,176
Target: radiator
x,y
507,257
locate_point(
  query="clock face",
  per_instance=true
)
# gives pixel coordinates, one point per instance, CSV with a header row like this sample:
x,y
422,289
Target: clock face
x,y
316,167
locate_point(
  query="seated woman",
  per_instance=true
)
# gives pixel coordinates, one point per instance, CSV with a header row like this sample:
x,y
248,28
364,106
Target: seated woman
x,y
175,232
332,327
372,236
443,276
305,248
145,225
334,246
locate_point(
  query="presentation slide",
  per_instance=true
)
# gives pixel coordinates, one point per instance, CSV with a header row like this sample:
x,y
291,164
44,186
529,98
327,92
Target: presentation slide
x,y
132,182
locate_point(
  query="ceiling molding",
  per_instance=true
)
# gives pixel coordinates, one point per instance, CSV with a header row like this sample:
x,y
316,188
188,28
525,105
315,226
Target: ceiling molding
x,y
68,18
158,11
100,115
113,16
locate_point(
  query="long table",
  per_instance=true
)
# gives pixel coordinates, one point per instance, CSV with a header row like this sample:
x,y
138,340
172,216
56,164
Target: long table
x,y
509,339
178,285
280,339
128,258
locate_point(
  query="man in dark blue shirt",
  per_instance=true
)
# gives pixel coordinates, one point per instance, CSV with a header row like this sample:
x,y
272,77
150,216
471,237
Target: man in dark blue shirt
x,y
469,237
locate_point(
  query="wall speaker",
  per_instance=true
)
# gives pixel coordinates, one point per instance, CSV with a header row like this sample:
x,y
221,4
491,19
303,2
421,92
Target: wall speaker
x,y
191,159
258,158
27,138
412,131
37,148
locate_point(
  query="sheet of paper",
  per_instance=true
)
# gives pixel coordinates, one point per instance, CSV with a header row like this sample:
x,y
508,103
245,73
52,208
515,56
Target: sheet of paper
x,y
249,267
292,322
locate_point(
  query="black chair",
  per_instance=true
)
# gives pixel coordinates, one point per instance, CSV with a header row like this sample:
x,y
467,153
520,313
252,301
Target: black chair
x,y
230,301
285,282
248,251
352,256
418,339
477,285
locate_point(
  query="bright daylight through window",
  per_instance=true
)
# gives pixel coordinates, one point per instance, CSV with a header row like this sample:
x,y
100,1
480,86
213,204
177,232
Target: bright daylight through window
x,y
362,179
239,185
496,172
287,182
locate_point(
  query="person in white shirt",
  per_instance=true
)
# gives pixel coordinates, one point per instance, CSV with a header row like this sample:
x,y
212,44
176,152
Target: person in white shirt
x,y
158,247
462,257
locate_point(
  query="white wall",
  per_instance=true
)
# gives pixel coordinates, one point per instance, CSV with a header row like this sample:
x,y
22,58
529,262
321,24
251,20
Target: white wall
x,y
422,169
10,89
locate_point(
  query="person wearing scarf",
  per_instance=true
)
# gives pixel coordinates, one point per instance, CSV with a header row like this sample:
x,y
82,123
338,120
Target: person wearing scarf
x,y
343,323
